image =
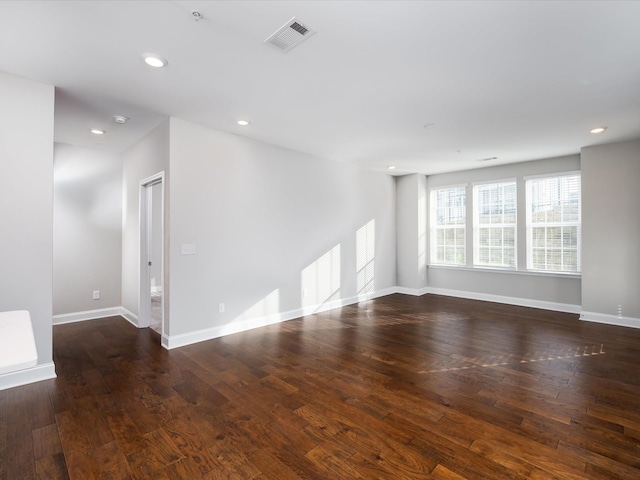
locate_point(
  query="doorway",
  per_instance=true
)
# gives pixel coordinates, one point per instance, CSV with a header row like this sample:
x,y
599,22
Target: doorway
x,y
152,292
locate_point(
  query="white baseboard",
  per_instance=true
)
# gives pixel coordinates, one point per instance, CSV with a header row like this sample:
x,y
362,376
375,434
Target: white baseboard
x,y
181,340
28,375
94,315
86,315
132,318
174,341
364,297
610,319
521,302
417,292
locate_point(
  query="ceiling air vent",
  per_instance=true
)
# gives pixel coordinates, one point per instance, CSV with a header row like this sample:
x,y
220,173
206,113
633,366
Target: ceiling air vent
x,y
289,35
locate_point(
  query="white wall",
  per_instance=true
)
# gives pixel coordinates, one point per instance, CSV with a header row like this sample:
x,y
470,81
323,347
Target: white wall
x,y
541,290
611,233
146,158
275,231
411,232
87,230
26,208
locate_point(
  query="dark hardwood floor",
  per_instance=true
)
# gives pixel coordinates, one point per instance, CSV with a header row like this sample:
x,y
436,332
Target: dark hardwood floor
x,y
398,388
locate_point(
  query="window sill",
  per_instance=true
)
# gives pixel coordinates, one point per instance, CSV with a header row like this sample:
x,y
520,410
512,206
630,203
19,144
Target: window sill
x,y
536,273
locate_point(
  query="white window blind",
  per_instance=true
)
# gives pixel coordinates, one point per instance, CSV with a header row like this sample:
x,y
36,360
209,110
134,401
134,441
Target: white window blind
x,y
554,224
494,225
448,219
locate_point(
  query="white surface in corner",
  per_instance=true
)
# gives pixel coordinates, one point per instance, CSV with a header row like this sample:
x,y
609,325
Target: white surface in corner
x,y
17,346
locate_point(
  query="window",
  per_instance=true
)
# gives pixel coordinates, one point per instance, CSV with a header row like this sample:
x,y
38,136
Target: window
x,y
448,218
553,223
494,225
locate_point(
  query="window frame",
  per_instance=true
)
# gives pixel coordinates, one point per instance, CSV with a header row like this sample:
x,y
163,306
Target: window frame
x,y
434,227
530,225
477,226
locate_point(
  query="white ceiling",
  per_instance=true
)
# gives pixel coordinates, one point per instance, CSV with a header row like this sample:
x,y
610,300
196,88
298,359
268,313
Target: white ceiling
x,y
424,85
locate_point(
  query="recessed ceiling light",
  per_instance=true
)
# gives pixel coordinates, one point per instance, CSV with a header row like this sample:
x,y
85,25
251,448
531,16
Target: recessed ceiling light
x,y
154,60
97,131
391,167
121,119
242,123
598,129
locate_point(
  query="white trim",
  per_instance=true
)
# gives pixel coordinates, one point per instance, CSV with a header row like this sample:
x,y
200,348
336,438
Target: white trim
x,y
416,292
620,321
552,174
521,302
364,297
38,373
132,318
86,315
477,226
530,224
510,271
489,182
144,234
63,318
174,341
444,187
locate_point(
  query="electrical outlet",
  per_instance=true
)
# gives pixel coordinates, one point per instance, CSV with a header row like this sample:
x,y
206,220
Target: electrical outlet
x,y
96,294
221,308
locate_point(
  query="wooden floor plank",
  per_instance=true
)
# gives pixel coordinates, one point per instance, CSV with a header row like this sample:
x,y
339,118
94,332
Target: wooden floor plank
x,y
53,467
112,462
77,450
397,387
158,452
18,456
46,442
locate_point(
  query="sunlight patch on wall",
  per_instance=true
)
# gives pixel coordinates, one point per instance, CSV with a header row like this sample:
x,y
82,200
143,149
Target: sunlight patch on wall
x,y
269,305
365,259
321,280
264,312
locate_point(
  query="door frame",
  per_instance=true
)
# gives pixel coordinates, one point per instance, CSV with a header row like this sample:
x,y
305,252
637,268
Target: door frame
x,y
145,235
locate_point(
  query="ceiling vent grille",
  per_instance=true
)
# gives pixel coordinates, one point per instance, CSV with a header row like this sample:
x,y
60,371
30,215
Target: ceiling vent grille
x,y
291,34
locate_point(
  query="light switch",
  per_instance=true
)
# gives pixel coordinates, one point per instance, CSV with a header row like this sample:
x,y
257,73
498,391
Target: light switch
x,y
188,249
